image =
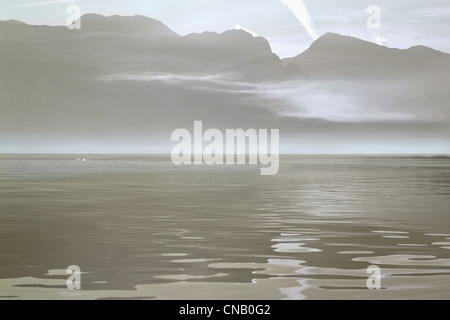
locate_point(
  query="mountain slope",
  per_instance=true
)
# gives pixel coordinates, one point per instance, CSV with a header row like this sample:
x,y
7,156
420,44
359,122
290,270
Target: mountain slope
x,y
132,81
334,55
126,75
137,26
138,43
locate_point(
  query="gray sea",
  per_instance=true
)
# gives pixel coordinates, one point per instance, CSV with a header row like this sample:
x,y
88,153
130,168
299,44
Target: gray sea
x,y
140,227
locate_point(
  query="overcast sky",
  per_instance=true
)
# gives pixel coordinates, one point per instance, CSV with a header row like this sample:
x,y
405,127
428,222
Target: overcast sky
x,y
289,25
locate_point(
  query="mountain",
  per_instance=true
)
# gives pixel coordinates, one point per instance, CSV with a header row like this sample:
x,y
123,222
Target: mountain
x,y
119,76
128,82
136,26
12,21
405,85
139,43
334,55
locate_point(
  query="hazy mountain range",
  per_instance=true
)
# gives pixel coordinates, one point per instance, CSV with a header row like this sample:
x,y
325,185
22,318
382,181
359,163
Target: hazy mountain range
x,y
123,84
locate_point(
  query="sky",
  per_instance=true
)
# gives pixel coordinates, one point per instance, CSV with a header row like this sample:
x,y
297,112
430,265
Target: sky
x,y
289,25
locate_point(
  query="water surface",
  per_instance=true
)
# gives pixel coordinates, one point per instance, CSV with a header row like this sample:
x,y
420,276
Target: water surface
x,y
140,227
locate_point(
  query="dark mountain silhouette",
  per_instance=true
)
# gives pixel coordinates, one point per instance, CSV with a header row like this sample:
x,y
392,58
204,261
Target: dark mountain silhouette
x,y
119,78
141,43
12,21
334,55
137,26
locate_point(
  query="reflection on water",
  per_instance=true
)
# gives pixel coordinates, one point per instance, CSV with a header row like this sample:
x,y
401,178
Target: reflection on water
x,y
142,228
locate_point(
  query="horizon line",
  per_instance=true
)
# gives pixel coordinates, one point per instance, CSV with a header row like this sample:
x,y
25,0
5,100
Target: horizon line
x,y
224,154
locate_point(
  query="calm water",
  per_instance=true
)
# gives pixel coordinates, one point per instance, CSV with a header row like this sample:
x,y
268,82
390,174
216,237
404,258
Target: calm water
x,y
140,227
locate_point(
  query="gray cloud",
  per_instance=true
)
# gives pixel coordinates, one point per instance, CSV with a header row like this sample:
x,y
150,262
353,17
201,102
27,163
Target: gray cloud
x,y
343,101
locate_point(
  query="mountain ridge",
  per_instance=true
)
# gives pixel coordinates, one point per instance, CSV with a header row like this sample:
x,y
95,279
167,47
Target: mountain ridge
x,y
336,37
84,86
133,23
137,24
145,41
340,55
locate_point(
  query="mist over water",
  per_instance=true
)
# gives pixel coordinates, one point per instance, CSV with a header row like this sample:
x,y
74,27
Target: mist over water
x,y
141,227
